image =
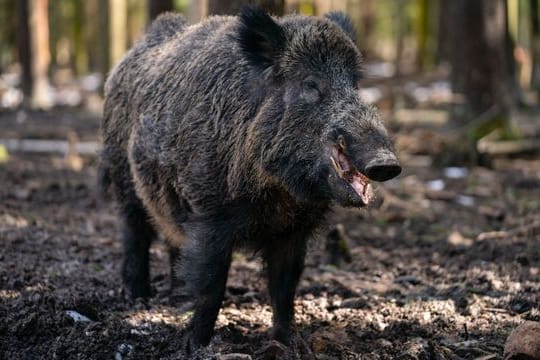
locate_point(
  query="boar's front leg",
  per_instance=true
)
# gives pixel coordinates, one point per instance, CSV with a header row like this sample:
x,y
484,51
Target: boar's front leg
x,y
285,263
205,267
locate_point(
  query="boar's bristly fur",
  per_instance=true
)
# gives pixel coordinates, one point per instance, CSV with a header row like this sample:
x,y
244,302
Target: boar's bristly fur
x,y
237,131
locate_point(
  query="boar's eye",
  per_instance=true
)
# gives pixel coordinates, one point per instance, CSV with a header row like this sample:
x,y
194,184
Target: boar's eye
x,y
357,77
311,91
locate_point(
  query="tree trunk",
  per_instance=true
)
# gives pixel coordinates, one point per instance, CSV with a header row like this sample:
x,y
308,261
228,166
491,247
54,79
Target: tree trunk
x,y
513,89
364,12
400,34
23,44
136,20
422,55
274,7
535,45
117,30
197,11
94,47
7,33
232,7
325,6
479,56
79,23
444,31
40,55
104,37
156,7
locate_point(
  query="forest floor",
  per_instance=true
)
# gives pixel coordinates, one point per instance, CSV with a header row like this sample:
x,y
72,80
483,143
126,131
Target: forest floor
x,y
444,267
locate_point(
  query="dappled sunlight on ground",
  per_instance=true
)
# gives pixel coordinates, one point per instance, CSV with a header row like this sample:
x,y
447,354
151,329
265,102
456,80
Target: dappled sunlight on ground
x,y
445,264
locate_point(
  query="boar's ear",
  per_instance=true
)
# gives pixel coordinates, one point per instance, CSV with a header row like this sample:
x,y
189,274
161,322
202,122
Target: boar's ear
x,y
261,38
344,22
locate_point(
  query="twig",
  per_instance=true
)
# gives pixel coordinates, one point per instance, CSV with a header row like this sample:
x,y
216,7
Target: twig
x,y
508,147
496,310
491,235
49,146
390,199
523,230
486,357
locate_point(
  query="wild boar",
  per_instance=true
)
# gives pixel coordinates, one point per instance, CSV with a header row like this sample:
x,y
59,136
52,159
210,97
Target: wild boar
x,y
239,131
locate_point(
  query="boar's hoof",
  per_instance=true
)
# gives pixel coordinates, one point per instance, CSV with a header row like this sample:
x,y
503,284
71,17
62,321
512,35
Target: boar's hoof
x,y
282,335
191,343
139,290
187,344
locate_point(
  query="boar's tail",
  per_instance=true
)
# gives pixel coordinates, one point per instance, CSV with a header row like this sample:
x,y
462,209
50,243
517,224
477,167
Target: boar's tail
x,y
165,26
104,179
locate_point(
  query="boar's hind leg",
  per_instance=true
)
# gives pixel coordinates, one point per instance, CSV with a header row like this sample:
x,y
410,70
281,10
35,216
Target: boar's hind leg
x,y
177,295
205,265
175,256
137,236
285,263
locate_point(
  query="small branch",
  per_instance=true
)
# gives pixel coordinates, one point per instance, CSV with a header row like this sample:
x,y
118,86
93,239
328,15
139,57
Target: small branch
x,y
524,230
89,148
508,147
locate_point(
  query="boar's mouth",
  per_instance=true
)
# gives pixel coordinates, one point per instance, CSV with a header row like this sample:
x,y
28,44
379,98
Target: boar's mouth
x,y
348,173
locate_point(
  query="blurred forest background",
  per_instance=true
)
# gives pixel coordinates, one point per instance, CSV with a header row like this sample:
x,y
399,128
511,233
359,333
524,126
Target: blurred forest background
x,y
444,265
476,60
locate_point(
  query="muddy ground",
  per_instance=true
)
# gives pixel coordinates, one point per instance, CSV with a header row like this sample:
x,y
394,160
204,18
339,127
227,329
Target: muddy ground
x,y
443,267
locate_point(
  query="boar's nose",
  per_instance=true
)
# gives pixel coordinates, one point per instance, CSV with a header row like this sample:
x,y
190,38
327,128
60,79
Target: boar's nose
x,y
382,170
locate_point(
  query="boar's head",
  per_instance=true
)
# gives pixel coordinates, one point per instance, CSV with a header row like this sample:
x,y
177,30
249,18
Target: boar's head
x,y
313,132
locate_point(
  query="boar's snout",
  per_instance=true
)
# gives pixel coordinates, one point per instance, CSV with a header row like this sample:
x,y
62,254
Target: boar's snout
x,y
383,167
360,152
